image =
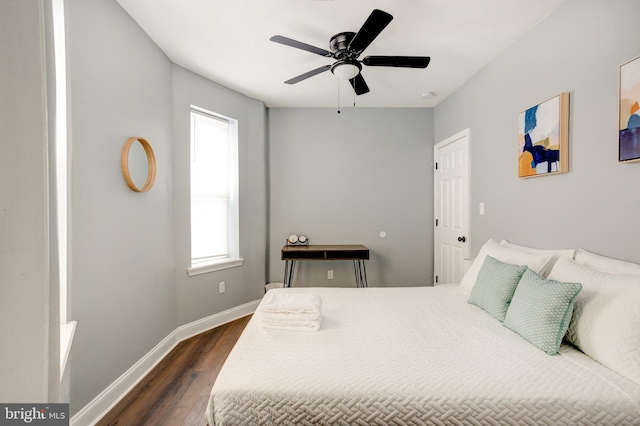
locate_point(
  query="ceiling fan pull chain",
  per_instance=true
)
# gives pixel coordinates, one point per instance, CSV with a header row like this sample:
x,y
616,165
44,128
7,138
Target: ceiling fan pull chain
x,y
338,96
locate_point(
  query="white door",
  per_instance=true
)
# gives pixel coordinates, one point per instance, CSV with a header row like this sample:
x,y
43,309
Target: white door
x,y
451,207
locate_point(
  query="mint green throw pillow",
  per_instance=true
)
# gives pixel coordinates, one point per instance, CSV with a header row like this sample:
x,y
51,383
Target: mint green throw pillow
x,y
541,310
495,285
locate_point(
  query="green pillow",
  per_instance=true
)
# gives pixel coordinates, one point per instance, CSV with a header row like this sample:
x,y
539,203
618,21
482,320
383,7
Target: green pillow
x,y
495,285
541,310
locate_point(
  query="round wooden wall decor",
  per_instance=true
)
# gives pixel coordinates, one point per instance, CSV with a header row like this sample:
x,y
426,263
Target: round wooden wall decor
x,y
151,162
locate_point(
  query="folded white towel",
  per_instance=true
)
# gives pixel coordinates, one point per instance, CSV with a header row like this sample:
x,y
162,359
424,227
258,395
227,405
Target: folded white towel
x,y
287,302
286,317
284,310
292,326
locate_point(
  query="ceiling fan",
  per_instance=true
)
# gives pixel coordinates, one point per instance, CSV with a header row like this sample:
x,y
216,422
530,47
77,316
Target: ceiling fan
x,y
346,47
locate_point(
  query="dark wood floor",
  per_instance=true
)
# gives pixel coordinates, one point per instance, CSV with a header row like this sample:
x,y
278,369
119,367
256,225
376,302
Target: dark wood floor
x,y
176,391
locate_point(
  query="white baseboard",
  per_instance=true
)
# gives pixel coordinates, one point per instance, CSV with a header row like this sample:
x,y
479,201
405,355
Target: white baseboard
x,y
108,398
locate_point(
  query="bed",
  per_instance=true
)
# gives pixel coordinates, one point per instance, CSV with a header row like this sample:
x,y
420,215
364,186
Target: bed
x,y
411,356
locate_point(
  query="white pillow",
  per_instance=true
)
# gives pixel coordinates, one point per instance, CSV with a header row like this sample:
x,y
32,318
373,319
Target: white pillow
x,y
606,264
535,262
555,254
606,317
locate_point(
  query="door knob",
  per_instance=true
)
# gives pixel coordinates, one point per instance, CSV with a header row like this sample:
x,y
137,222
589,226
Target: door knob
x,y
462,239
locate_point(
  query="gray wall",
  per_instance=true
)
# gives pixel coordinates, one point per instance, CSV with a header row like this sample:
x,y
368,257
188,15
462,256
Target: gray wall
x,y
344,178
130,251
596,206
29,367
197,296
123,293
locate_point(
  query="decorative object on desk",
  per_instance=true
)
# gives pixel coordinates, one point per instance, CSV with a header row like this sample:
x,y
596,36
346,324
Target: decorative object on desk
x,y
629,112
138,164
543,139
295,240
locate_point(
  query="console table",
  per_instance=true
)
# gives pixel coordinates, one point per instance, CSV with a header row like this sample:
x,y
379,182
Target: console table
x,y
357,253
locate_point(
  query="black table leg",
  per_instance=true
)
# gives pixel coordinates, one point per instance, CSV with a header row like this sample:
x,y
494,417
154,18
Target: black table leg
x,y
289,266
364,275
360,273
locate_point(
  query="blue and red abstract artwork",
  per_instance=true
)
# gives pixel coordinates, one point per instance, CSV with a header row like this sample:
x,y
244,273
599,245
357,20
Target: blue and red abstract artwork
x,y
542,146
629,131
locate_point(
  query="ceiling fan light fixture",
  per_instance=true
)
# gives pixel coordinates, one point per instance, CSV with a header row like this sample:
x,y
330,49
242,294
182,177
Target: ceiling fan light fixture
x,y
346,48
346,70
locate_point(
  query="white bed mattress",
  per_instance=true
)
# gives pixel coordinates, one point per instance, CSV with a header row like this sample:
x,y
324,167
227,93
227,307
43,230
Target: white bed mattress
x,y
411,356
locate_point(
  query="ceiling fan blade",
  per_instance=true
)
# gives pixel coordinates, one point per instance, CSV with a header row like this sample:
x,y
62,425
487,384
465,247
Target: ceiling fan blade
x,y
375,23
359,85
397,61
300,45
306,75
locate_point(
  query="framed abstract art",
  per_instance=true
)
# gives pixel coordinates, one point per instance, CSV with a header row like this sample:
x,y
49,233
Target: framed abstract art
x,y
629,112
543,138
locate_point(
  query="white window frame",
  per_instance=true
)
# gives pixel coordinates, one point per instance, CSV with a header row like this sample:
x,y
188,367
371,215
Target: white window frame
x,y
199,266
67,327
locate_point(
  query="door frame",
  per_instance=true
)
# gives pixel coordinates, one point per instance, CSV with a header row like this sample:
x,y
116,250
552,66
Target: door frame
x,y
466,133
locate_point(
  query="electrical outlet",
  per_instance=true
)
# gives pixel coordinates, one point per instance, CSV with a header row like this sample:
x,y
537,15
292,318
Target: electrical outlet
x,y
221,287
330,274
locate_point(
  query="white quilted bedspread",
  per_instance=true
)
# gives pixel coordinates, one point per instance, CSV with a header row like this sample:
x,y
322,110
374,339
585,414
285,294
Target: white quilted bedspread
x,y
411,356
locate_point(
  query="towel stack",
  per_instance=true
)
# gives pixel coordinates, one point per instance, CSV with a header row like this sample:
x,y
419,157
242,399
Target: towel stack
x,y
285,310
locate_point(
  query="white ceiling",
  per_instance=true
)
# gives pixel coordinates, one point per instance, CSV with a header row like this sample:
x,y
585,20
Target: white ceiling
x,y
228,42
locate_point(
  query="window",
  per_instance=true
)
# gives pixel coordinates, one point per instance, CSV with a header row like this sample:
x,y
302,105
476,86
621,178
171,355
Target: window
x,y
67,328
214,192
